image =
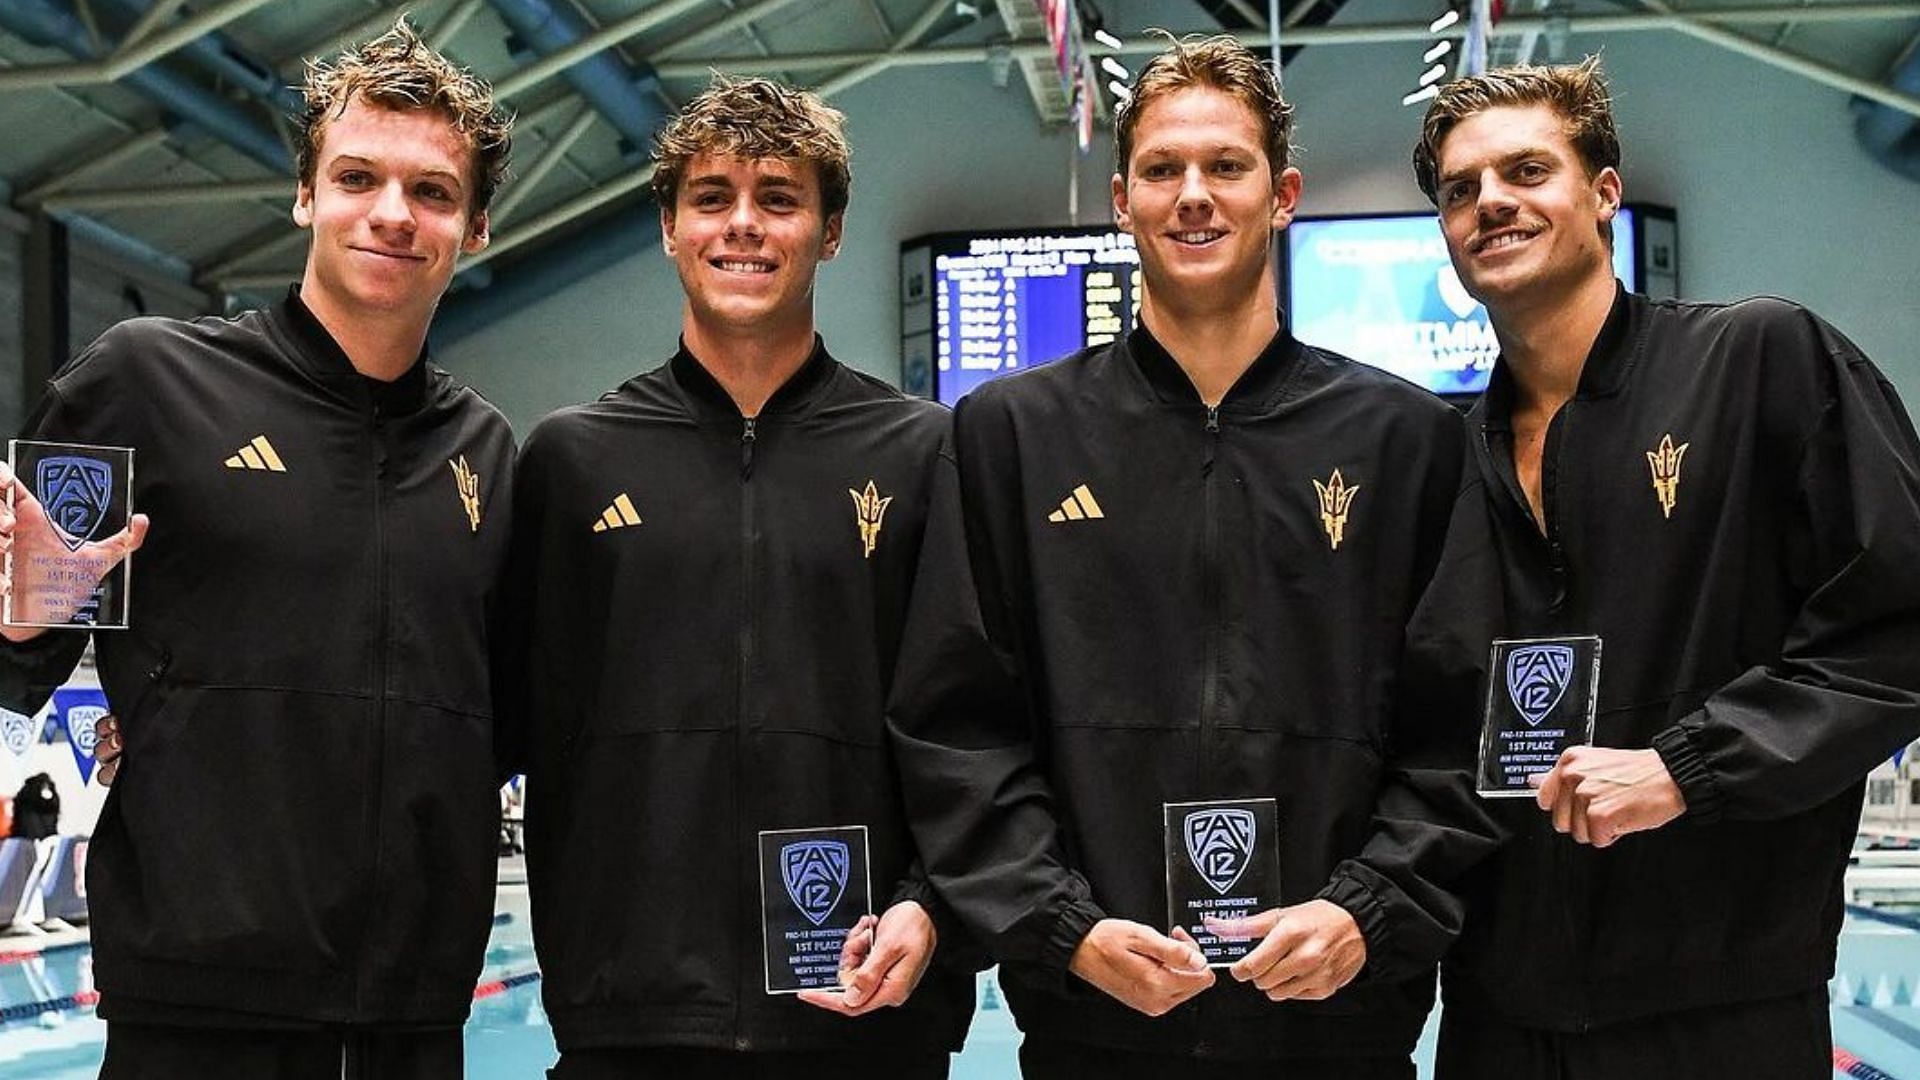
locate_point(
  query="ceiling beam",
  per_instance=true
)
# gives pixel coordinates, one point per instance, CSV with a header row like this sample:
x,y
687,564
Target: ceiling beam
x,y
129,56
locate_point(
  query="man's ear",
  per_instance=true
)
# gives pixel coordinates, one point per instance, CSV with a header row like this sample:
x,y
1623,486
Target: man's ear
x,y
478,234
303,206
830,245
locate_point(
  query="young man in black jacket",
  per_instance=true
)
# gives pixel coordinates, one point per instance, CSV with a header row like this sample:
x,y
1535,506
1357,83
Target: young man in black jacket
x,y
1196,550
1728,495
715,561
280,885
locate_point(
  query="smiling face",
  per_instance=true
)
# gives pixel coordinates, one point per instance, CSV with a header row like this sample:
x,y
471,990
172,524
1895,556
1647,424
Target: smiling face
x,y
1521,215
389,209
1202,201
747,235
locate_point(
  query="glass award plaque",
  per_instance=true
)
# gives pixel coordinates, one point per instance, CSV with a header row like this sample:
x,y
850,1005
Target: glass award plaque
x,y
813,889
1541,694
80,496
1223,860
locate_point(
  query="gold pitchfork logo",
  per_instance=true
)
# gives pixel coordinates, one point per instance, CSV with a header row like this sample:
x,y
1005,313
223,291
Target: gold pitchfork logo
x,y
868,510
1665,463
1335,499
468,483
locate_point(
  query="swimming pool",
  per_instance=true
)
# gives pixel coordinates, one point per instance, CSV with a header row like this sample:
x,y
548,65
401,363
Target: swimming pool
x,y
48,1030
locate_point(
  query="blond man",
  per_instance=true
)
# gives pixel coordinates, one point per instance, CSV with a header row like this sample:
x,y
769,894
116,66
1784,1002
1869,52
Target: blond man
x,y
1728,495
279,886
1196,549
714,563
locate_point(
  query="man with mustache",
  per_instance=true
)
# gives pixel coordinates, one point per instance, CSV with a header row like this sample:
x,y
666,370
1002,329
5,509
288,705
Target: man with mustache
x,y
1728,496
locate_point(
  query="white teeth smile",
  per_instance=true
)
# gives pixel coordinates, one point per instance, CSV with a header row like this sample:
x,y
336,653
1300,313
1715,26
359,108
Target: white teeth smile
x,y
1200,237
744,266
1504,240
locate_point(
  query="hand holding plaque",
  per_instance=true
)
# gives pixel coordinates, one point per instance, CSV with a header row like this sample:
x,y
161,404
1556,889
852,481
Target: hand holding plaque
x,y
1541,695
1223,863
69,531
814,892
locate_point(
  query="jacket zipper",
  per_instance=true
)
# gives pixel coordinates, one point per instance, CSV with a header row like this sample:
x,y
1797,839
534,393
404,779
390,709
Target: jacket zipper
x,y
742,744
377,756
1210,586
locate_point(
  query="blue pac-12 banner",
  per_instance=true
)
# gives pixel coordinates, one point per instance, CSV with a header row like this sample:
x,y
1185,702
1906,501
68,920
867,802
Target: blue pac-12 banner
x,y
77,708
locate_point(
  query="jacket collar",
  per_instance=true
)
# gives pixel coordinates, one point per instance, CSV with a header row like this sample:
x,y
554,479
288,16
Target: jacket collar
x,y
321,357
1257,387
709,400
1608,362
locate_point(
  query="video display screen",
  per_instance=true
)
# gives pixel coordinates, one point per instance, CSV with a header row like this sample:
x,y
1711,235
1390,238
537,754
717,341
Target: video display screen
x,y
1381,289
1003,302
1378,288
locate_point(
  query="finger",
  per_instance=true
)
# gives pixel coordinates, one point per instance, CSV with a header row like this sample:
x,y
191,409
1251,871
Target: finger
x,y
107,771
1184,955
136,533
1577,819
1547,787
1247,928
1562,808
1278,942
858,943
829,1000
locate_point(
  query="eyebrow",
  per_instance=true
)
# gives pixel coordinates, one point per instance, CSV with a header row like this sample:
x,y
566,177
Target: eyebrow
x,y
1504,160
356,159
716,180
1220,148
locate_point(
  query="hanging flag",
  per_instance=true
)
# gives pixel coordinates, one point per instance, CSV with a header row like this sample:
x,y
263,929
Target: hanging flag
x,y
77,708
1473,50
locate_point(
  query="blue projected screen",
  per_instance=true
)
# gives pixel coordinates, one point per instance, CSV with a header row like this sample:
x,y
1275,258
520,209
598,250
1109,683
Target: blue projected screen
x,y
1380,289
1003,302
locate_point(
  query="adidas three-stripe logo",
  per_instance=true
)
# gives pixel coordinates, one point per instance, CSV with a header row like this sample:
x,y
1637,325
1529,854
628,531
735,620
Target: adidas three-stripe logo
x,y
1077,506
259,455
617,516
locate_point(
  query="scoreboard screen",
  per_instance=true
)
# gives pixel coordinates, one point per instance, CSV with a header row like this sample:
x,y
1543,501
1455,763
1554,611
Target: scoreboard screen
x,y
979,305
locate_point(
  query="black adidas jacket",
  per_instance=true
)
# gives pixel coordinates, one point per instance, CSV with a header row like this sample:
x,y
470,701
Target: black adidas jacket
x,y
710,645
304,823
1164,596
1763,636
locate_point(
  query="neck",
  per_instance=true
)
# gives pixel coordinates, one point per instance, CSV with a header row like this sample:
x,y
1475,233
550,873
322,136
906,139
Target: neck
x,y
749,363
379,344
1213,342
1545,340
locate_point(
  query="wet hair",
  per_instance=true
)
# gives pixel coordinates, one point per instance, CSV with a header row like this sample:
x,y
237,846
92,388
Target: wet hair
x,y
1577,92
399,71
756,118
1221,63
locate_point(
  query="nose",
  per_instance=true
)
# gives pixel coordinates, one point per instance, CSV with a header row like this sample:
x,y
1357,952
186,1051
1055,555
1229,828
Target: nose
x,y
390,208
1194,193
1497,200
743,222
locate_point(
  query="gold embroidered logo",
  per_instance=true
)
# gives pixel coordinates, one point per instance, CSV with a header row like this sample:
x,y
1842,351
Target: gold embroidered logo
x,y
1665,463
1335,499
1077,506
257,455
468,483
868,509
617,516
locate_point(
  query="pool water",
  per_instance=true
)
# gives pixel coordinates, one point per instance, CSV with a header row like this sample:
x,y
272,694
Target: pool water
x,y
48,1030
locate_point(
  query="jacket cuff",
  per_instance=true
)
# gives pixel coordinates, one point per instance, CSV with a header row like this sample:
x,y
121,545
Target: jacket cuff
x,y
1688,767
1069,929
917,889
1351,892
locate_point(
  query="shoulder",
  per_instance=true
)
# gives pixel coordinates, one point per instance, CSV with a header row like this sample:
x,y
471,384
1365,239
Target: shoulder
x,y
1379,389
1045,388
155,341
